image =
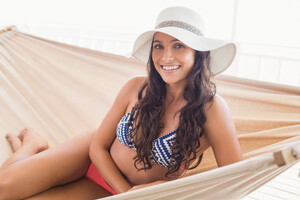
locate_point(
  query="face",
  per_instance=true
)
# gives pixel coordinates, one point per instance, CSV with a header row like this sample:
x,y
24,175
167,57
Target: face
x,y
172,59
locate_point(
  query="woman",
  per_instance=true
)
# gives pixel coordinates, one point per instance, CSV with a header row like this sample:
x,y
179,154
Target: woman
x,y
158,127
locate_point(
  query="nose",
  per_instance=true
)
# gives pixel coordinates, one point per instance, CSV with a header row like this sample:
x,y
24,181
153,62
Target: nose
x,y
167,54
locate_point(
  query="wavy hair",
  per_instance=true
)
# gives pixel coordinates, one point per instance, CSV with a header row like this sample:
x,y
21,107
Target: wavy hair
x,y
149,109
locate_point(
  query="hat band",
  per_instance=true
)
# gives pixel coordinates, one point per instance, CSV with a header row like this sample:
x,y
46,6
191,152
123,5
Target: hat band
x,y
179,24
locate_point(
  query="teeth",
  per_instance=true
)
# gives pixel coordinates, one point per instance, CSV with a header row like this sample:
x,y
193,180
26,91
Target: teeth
x,y
170,67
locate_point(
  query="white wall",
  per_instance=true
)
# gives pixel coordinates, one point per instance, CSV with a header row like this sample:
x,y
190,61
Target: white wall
x,y
266,31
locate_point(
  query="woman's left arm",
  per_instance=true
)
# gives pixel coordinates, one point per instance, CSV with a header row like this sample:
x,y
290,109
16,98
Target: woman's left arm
x,y
221,134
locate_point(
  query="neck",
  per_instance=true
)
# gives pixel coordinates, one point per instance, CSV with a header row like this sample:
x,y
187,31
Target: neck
x,y
174,93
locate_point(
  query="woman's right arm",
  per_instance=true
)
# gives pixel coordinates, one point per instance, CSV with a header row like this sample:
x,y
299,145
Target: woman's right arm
x,y
106,134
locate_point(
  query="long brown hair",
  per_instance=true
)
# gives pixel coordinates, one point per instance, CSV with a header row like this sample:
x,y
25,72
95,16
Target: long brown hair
x,y
149,110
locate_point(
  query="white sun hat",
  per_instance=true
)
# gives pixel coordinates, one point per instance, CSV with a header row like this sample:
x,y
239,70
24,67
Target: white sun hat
x,y
186,25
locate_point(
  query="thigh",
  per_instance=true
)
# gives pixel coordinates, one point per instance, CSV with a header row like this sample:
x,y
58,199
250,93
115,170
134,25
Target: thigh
x,y
82,189
61,164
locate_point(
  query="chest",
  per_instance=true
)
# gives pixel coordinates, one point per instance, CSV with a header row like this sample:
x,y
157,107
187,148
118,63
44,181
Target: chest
x,y
170,120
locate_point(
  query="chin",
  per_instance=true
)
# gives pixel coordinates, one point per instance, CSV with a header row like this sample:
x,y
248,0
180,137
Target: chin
x,y
170,81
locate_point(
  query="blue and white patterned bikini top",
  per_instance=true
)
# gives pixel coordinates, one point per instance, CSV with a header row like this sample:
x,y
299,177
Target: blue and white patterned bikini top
x,y
161,151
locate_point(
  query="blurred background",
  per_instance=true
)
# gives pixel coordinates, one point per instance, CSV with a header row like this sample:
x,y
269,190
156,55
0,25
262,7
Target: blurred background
x,y
266,31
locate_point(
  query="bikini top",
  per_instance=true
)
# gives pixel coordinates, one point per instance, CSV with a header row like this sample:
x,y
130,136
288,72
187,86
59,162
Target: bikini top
x,y
161,150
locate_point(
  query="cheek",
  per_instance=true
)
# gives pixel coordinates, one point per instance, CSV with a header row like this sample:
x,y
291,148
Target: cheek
x,y
155,59
155,56
189,59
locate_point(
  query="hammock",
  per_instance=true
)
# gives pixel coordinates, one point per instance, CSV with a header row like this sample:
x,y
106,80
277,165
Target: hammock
x,y
61,90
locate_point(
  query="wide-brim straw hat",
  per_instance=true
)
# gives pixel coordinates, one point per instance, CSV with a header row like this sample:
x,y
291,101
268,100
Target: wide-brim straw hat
x,y
186,25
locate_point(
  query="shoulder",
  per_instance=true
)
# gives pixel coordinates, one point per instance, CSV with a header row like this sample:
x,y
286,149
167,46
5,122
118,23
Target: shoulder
x,y
218,117
219,123
131,88
133,85
220,132
217,108
135,81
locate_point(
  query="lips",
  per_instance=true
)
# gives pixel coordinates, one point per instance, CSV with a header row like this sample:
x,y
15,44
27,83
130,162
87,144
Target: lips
x,y
170,67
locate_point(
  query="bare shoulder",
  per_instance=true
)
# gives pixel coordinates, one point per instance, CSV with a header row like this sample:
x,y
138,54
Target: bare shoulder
x,y
136,81
129,91
133,85
220,132
218,118
217,106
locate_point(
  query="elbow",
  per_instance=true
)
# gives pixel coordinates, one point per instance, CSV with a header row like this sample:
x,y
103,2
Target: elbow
x,y
94,151
97,151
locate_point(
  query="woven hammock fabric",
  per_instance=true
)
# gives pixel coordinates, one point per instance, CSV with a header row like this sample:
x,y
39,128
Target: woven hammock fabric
x,y
62,90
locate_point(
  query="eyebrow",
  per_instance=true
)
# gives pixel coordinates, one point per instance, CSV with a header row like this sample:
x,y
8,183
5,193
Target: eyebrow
x,y
175,40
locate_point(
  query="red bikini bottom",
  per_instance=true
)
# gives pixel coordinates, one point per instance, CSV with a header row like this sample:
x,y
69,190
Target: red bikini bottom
x,y
95,176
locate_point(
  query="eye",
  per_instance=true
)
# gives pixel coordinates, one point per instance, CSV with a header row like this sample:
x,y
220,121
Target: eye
x,y
178,46
158,46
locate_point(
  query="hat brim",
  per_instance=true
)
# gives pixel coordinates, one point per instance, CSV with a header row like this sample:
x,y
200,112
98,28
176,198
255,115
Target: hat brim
x,y
222,52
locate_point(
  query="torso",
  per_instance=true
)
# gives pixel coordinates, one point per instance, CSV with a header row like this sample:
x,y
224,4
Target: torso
x,y
123,155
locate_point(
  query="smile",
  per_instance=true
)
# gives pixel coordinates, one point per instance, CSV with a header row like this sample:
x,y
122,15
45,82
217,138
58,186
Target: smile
x,y
170,67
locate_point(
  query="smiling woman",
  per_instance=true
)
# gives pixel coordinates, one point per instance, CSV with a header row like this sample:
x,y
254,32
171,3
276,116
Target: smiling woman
x,y
274,121
155,131
184,98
